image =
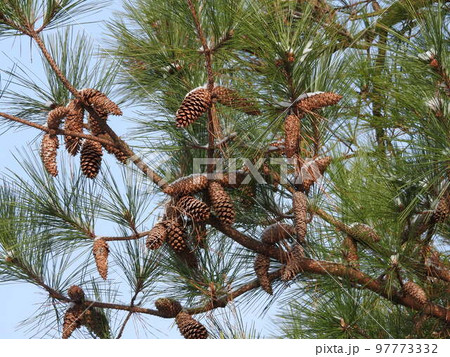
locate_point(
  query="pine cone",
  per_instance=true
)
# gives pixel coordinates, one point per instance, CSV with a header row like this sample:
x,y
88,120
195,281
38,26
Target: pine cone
x,y
293,266
91,158
323,163
74,122
96,322
221,203
193,106
76,293
72,320
261,266
442,211
187,185
318,101
119,154
415,291
101,252
350,251
168,307
189,327
277,232
99,101
300,208
176,237
55,117
292,134
97,126
156,237
193,208
364,232
49,147
231,98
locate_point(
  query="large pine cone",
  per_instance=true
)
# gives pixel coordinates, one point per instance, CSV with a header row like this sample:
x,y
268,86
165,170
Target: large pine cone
x,y
293,266
168,307
100,250
156,237
193,106
261,266
49,147
189,327
442,211
415,291
300,207
91,158
72,320
187,185
176,236
74,122
277,232
55,117
318,101
100,101
292,134
193,208
231,98
221,203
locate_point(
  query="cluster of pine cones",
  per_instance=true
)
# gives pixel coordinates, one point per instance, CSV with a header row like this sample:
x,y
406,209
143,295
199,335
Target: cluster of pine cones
x,y
91,151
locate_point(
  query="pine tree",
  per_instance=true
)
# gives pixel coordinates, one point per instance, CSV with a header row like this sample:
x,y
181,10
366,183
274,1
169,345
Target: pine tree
x,y
297,149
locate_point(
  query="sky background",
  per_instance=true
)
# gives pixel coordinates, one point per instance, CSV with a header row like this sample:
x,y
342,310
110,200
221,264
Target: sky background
x,y
19,301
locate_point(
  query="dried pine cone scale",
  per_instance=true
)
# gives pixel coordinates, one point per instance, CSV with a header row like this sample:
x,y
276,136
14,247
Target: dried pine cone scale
x,y
49,148
100,250
318,100
292,134
277,232
300,208
187,185
193,106
100,101
189,327
193,208
91,158
156,237
231,98
74,123
221,203
261,266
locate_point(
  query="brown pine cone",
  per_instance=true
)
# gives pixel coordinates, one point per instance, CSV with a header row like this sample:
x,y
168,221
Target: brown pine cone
x,y
300,208
221,203
193,106
277,232
193,208
364,232
318,101
74,122
350,251
49,147
176,236
100,250
292,134
76,293
99,101
323,163
189,327
97,126
91,158
187,185
261,266
96,322
231,98
442,211
55,117
415,291
119,154
156,237
72,320
293,266
168,307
